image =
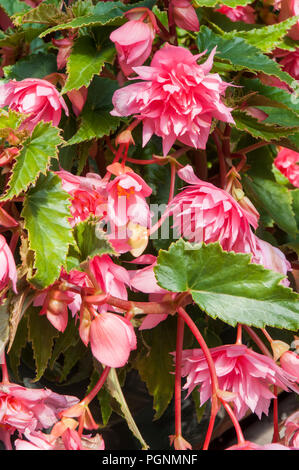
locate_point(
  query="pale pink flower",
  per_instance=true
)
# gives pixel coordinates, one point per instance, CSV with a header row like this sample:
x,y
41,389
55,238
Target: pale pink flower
x,y
133,40
240,371
240,13
33,409
247,445
176,99
184,14
8,270
88,195
289,361
112,338
203,212
287,163
33,96
290,8
271,258
70,440
127,200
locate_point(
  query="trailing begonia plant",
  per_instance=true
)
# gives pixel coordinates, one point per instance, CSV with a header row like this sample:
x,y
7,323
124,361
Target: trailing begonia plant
x,y
149,218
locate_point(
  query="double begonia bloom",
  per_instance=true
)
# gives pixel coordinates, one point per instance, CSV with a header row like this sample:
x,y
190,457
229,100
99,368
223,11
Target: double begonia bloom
x,y
290,8
133,40
36,97
8,270
240,13
69,440
32,409
175,99
287,163
184,15
241,371
203,212
88,195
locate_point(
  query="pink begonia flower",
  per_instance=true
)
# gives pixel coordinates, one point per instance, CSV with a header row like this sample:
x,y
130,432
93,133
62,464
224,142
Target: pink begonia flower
x,y
289,361
239,370
127,200
133,40
57,299
8,270
291,425
36,97
289,61
112,338
88,195
272,258
203,212
33,409
247,445
110,277
176,99
246,14
290,8
184,14
287,163
70,440
144,280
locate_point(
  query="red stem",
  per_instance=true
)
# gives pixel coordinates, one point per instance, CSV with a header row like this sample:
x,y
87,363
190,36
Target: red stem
x,y
5,377
221,158
275,416
235,422
172,182
97,387
214,380
257,341
178,375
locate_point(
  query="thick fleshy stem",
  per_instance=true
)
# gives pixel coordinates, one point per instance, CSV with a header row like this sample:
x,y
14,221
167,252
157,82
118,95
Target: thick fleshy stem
x,y
221,158
214,380
239,334
178,377
275,416
97,387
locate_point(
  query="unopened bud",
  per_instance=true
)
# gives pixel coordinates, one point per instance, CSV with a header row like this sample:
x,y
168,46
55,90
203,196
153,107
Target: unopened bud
x,y
289,361
278,348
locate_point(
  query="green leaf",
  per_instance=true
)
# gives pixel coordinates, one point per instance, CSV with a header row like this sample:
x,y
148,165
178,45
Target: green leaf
x,y
37,66
115,390
68,338
19,343
275,94
261,186
281,117
42,344
260,129
241,55
33,159
227,286
46,13
159,380
46,213
108,13
91,241
13,6
96,120
85,61
10,120
269,37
